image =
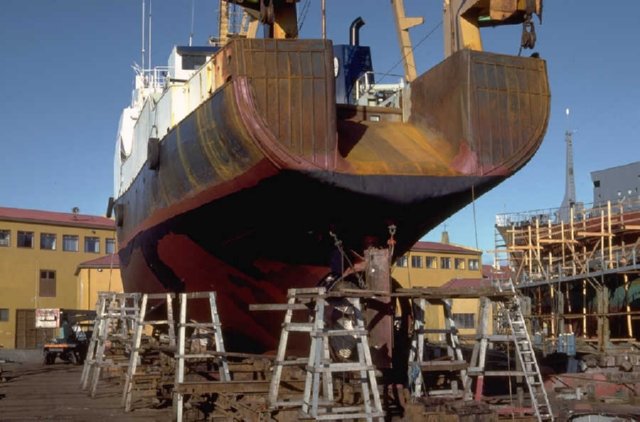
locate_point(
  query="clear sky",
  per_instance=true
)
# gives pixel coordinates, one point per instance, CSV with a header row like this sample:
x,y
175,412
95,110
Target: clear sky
x,y
65,75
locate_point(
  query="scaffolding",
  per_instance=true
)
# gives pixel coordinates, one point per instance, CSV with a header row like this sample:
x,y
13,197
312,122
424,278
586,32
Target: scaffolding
x,y
580,268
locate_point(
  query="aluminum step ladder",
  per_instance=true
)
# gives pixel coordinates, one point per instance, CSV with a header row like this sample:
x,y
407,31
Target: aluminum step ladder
x,y
213,327
115,315
140,323
319,364
526,354
455,363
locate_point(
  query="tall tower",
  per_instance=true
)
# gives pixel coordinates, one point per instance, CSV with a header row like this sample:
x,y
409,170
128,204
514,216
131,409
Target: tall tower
x,y
569,200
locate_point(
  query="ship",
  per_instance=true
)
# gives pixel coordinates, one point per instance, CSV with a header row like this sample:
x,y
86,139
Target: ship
x,y
256,164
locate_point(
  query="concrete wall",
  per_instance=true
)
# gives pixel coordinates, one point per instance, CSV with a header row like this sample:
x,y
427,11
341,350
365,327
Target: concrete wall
x,y
20,270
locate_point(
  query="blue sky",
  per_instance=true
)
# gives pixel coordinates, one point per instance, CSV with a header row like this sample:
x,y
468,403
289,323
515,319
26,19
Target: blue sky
x,y
65,75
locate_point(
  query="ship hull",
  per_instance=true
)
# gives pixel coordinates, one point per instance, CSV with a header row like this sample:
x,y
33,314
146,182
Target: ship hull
x,y
248,188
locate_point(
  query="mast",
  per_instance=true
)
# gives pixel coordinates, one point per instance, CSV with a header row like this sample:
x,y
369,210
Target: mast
x,y
144,17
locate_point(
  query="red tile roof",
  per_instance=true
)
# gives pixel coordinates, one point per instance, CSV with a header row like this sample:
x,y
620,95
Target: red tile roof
x,y
443,247
56,218
466,283
107,261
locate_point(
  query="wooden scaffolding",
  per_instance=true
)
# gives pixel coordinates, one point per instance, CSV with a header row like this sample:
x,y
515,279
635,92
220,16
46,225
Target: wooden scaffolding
x,y
578,271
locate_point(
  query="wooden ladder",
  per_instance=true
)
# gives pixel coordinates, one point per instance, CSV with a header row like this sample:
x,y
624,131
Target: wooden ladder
x,y
136,342
319,364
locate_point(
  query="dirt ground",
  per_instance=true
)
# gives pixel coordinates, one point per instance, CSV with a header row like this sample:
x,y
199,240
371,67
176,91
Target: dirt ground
x,y
33,391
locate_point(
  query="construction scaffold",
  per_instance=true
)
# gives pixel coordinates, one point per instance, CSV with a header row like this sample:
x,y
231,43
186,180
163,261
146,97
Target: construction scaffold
x,y
580,268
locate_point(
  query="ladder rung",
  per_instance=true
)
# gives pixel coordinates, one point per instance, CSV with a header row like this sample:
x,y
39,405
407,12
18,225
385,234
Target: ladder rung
x,y
299,326
330,333
155,322
292,362
200,324
342,367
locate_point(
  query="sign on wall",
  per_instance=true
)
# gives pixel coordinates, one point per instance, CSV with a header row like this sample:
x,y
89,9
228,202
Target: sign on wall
x,y
47,318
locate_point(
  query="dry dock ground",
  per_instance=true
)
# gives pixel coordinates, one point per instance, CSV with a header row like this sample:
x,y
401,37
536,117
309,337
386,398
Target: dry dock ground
x,y
33,391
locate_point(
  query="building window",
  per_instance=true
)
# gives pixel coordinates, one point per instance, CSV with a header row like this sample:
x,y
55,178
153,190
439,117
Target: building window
x,y
416,261
430,262
464,320
5,237
48,241
4,315
25,239
92,244
47,283
70,243
474,264
445,263
459,263
402,261
110,246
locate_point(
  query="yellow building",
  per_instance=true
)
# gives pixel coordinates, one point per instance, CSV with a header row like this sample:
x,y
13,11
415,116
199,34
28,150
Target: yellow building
x,y
455,268
432,264
98,275
39,254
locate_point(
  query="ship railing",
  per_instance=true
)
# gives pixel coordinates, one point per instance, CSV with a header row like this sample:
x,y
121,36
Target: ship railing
x,y
370,93
154,78
581,212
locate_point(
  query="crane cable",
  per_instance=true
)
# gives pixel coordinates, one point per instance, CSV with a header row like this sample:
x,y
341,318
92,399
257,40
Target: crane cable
x,y
423,39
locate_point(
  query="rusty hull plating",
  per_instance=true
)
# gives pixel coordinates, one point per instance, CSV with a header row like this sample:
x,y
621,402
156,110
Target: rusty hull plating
x,y
251,182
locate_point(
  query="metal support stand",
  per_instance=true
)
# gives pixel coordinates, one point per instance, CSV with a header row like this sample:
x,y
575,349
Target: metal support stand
x,y
417,364
318,400
115,316
214,327
140,323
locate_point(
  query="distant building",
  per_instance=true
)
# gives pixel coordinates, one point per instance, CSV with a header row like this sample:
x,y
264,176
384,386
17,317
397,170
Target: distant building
x,y
432,264
98,275
40,252
617,184
441,264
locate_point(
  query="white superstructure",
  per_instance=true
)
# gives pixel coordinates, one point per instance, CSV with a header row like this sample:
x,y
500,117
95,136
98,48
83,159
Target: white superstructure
x,y
161,98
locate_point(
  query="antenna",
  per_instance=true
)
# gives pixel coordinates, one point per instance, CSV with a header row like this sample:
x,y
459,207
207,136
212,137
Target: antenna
x,y
150,1
193,12
143,31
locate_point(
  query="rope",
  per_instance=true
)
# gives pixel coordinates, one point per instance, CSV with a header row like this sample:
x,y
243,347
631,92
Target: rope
x,y
303,14
338,243
473,204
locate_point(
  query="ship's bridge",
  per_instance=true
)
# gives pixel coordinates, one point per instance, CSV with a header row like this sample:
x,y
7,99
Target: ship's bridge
x,y
185,61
